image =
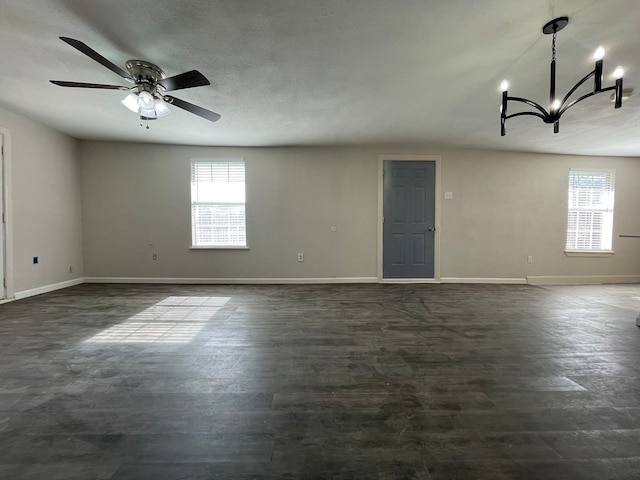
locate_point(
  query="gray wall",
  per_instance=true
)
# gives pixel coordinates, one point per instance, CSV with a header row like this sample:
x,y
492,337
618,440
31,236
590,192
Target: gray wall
x,y
44,204
136,195
505,206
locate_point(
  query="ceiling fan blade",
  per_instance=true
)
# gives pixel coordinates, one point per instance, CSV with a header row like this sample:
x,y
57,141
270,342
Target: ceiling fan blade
x,y
90,52
185,80
88,85
190,107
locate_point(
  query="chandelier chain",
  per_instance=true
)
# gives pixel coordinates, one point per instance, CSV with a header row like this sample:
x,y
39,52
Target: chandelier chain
x,y
553,47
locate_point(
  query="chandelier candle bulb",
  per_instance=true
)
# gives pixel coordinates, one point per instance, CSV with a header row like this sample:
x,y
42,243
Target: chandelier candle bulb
x,y
599,53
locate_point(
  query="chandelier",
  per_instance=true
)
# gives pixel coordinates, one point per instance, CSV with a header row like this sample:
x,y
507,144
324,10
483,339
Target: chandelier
x,y
558,106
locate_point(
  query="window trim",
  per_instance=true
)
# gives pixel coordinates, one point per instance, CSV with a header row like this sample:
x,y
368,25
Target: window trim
x,y
590,252
216,247
191,203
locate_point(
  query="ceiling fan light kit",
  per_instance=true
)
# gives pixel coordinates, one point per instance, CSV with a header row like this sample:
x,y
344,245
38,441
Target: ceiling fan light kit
x,y
147,101
148,96
557,106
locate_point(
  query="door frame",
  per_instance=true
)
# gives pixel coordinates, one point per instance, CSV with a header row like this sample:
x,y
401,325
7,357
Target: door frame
x,y
436,241
8,217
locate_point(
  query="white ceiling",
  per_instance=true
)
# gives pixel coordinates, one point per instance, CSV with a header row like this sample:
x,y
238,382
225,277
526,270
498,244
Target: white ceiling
x,y
327,72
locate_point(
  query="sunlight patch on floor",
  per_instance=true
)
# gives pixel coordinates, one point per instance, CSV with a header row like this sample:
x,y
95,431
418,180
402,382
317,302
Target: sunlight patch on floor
x,y
172,320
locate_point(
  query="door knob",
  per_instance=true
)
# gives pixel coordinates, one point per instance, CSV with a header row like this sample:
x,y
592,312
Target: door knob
x,y
431,229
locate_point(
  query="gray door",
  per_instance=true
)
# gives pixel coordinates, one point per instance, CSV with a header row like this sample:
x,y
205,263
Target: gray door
x,y
409,219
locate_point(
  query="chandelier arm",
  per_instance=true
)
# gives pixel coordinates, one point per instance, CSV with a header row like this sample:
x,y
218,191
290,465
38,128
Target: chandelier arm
x,y
576,86
532,103
578,100
519,114
504,118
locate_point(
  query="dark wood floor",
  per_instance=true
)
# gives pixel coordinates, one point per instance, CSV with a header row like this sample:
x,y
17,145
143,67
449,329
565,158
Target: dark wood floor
x,y
321,382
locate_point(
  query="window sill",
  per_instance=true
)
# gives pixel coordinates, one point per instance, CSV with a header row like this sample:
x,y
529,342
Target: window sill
x,y
217,247
589,253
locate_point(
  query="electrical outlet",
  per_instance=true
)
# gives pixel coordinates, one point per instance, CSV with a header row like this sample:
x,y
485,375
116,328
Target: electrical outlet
x,y
154,256
35,260
301,257
530,259
70,268
448,195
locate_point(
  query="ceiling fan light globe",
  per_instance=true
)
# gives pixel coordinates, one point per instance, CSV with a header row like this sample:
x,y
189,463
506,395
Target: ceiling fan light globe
x,y
161,108
150,113
145,101
131,102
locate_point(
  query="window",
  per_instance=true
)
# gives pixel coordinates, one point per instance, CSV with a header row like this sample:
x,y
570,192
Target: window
x,y
590,219
218,203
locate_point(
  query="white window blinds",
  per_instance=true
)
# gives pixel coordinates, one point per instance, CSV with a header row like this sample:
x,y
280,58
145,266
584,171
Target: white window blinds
x,y
590,215
218,203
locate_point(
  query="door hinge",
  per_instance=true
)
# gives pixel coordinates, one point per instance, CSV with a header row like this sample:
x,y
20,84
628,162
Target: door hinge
x,y
4,282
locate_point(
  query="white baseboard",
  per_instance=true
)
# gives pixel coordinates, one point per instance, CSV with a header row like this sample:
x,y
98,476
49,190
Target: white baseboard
x,y
582,279
531,280
47,288
510,281
231,281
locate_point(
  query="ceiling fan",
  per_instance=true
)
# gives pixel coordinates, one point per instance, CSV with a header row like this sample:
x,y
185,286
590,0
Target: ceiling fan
x,y
147,96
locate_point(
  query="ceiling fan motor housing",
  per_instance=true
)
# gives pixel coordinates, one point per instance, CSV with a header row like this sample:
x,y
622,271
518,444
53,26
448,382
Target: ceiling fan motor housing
x,y
145,74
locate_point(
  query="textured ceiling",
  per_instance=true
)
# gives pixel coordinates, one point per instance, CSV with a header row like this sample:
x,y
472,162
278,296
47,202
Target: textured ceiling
x,y
327,72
